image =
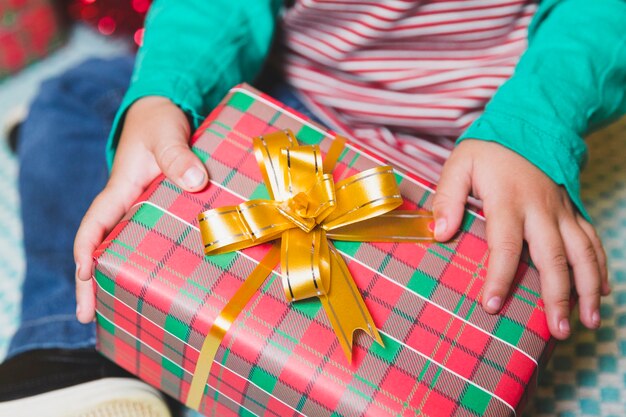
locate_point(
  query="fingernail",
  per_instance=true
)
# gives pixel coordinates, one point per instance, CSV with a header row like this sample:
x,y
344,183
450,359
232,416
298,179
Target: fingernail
x,y
77,309
77,269
595,318
564,326
440,227
193,177
494,303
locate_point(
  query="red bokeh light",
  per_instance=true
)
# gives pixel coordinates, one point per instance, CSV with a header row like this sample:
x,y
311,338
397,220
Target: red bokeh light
x,y
141,6
138,37
106,25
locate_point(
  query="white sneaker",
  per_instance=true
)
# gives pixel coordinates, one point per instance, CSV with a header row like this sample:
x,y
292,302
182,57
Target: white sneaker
x,y
108,397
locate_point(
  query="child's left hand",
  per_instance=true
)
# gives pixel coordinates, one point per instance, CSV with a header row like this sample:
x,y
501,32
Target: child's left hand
x,y
522,203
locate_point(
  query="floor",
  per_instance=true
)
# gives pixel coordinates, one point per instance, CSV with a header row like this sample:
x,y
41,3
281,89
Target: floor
x,y
586,375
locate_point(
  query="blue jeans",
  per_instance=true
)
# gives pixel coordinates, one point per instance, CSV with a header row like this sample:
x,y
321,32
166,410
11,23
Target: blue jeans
x,y
62,168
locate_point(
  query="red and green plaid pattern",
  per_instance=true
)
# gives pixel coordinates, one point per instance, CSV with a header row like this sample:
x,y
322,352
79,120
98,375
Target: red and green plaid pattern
x,y
443,356
29,30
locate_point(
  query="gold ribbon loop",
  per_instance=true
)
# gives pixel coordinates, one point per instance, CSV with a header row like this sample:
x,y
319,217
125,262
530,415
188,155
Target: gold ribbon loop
x,y
234,228
301,168
268,154
305,210
363,196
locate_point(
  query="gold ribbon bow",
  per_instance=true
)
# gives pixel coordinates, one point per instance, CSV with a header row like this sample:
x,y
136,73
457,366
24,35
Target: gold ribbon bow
x,y
307,209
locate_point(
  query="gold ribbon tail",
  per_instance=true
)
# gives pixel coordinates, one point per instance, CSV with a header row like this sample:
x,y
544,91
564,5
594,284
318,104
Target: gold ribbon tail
x,y
396,226
222,323
345,306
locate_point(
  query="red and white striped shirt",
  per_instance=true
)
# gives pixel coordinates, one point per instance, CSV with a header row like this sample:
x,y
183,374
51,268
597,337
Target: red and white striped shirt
x,y
405,77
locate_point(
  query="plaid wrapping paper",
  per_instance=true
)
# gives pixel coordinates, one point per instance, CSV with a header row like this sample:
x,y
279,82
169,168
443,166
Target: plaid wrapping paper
x,y
157,296
29,30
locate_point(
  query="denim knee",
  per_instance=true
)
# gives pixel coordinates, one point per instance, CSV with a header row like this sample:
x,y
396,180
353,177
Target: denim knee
x,y
86,96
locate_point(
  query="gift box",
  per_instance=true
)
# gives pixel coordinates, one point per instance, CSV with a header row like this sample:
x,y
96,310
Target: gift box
x,y
29,30
159,295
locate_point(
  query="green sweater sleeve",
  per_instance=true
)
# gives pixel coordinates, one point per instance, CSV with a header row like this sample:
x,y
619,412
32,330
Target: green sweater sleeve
x,y
195,50
571,79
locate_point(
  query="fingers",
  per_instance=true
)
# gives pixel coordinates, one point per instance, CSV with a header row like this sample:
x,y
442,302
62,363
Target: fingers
x,y
103,214
548,253
586,271
555,246
85,301
451,196
600,254
505,233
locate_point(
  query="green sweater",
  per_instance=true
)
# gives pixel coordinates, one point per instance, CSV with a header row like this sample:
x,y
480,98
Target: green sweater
x,y
571,79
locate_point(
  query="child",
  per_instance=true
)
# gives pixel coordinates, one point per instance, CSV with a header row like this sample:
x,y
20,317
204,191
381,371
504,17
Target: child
x,y
404,76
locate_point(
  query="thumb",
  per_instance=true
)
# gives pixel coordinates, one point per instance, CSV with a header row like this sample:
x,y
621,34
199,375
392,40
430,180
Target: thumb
x,y
182,166
451,196
156,124
177,161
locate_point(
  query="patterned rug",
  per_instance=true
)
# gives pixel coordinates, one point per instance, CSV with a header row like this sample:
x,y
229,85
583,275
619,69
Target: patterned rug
x,y
586,375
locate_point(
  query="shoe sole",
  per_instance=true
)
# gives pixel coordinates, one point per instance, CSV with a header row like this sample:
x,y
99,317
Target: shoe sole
x,y
109,397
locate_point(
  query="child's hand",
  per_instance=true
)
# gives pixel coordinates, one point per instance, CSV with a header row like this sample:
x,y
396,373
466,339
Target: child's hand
x,y
154,140
522,203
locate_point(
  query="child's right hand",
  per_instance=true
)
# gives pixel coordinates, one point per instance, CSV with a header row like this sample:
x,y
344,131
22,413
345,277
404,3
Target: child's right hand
x,y
154,140
521,203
